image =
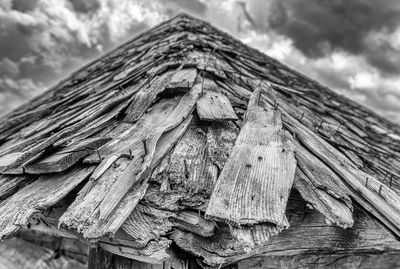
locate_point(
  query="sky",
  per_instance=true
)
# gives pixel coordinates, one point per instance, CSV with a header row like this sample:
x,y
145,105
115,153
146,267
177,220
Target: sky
x,y
353,47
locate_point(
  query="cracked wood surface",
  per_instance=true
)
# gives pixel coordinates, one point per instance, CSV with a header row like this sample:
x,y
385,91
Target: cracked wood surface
x,y
44,192
84,214
213,105
66,157
256,180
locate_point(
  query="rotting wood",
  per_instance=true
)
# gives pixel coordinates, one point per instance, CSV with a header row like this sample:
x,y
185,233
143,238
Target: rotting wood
x,y
39,195
11,184
148,143
254,185
83,215
66,157
213,105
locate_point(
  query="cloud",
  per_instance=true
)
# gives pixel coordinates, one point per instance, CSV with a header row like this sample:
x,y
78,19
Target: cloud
x,y
319,27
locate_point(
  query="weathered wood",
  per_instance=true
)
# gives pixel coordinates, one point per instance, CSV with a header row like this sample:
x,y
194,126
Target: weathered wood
x,y
11,184
143,99
84,214
378,199
183,79
213,105
39,195
322,188
17,253
254,185
308,233
66,157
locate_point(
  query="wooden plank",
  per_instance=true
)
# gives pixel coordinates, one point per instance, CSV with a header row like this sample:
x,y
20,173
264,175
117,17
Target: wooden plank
x,y
183,79
308,233
254,185
148,144
213,105
66,157
39,195
375,197
11,184
84,213
143,99
322,188
125,135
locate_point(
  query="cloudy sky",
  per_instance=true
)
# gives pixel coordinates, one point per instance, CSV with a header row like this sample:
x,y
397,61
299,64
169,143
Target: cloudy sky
x,y
351,46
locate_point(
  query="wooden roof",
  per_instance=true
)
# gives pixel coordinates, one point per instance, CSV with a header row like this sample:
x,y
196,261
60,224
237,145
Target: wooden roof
x,y
185,135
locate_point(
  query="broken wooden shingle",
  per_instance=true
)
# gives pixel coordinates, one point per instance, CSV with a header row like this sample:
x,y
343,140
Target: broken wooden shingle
x,y
255,183
213,105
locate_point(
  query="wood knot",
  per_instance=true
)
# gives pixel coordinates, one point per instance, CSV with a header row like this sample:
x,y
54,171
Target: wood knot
x,y
248,165
259,158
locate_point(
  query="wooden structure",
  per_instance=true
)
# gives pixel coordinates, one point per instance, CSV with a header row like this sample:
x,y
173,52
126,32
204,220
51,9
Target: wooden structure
x,y
184,148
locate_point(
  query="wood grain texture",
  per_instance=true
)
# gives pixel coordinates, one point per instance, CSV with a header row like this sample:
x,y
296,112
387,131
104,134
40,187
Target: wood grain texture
x,y
308,233
84,214
255,183
183,79
377,198
213,105
66,157
143,99
322,188
39,195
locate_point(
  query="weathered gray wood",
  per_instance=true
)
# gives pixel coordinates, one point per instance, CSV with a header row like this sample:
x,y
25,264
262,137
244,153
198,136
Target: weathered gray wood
x,y
39,195
377,198
213,105
84,214
66,157
11,184
183,79
254,185
143,99
322,188
17,253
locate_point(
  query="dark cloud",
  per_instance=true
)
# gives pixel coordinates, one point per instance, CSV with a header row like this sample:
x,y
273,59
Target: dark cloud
x,y
318,27
24,5
85,6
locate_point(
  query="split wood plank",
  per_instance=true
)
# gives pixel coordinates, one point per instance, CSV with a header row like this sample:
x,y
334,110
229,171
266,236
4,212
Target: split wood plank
x,y
322,188
86,118
84,213
374,196
44,192
143,99
148,143
11,184
125,135
66,157
255,183
213,105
